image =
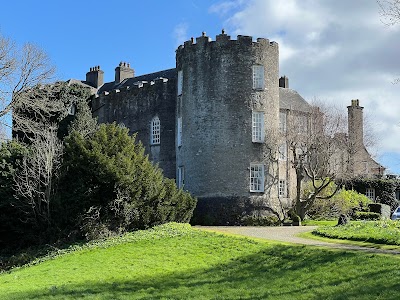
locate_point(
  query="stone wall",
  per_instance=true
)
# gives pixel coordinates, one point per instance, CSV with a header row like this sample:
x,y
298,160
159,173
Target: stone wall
x,y
134,107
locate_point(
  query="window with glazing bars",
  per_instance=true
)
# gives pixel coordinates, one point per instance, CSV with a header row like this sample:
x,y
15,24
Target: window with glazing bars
x,y
258,127
155,131
282,188
258,77
256,178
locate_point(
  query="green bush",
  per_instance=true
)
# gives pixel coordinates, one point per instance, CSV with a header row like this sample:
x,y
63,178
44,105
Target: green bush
x,y
109,186
365,215
345,202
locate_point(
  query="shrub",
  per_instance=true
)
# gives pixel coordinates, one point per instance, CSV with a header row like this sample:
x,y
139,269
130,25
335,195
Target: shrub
x,y
365,215
345,202
109,186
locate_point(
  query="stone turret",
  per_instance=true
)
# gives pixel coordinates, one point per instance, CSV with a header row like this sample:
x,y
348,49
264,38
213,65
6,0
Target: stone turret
x,y
123,71
95,77
218,99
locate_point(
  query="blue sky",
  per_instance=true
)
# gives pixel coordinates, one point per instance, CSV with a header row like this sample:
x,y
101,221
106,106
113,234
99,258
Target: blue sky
x,y
333,50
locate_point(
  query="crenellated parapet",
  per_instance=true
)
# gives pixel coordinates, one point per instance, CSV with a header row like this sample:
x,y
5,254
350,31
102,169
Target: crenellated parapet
x,y
224,40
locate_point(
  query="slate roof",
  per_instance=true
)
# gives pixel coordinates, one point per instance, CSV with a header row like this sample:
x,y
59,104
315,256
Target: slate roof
x,y
109,86
290,99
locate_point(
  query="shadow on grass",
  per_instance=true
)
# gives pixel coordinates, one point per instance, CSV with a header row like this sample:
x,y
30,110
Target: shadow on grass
x,y
276,272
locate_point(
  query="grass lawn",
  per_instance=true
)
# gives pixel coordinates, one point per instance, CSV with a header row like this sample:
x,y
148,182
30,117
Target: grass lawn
x,y
379,232
175,261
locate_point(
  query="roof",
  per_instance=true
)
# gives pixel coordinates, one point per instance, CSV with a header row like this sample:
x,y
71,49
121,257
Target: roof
x,y
108,86
290,99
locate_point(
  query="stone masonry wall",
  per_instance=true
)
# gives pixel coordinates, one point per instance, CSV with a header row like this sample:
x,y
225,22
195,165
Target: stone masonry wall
x,y
134,107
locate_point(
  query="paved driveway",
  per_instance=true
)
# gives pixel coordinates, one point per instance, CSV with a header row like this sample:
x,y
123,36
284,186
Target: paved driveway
x,y
288,234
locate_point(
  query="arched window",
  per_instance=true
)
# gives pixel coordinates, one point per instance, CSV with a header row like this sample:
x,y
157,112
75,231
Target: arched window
x,y
155,131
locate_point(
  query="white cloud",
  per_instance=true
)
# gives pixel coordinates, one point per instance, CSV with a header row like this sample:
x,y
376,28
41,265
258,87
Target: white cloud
x,y
336,50
180,33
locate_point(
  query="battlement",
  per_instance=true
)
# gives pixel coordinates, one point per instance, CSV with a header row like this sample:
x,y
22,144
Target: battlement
x,y
223,39
137,85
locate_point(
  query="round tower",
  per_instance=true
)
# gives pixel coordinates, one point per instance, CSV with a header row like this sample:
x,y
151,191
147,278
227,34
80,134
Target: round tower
x,y
227,123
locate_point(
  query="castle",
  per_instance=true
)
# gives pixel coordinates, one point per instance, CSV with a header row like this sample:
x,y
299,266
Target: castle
x,y
207,123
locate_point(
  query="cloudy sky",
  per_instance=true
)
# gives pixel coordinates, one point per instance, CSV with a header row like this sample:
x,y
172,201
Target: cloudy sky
x,y
331,50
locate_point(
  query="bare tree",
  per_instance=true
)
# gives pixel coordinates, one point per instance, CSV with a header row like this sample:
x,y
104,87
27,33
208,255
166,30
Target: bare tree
x,y
390,11
36,181
318,152
21,70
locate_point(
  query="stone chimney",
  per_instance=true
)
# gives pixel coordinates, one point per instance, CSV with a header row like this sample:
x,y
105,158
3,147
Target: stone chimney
x,y
355,123
284,82
123,71
95,77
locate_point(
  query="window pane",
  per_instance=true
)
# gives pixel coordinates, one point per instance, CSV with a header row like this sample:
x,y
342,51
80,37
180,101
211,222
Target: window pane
x,y
258,127
256,178
179,137
282,151
180,81
155,131
258,77
282,188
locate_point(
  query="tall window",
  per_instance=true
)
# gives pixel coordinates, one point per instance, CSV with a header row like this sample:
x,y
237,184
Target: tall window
x,y
282,151
256,178
179,137
258,127
181,177
258,77
370,193
282,188
180,81
155,131
282,122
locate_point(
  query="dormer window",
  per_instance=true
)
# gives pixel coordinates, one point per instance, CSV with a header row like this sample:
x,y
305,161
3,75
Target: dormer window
x,y
155,131
258,77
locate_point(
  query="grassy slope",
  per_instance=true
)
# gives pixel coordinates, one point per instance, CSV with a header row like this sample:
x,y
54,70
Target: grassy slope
x,y
177,262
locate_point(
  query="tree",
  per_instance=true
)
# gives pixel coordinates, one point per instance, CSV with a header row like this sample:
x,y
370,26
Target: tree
x,y
21,70
319,153
109,186
390,11
37,178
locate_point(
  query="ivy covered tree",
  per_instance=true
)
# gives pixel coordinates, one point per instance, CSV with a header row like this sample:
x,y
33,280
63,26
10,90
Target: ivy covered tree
x,y
109,186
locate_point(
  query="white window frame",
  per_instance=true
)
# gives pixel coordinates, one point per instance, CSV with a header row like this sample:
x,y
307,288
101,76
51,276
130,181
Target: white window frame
x,y
155,131
258,77
180,82
181,177
179,133
282,122
370,193
282,151
282,188
256,178
257,121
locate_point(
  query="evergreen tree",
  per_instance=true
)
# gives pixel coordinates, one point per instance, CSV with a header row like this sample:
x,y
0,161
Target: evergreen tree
x,y
110,186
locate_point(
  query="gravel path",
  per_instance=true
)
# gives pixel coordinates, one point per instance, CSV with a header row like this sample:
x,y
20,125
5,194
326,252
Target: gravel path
x,y
289,234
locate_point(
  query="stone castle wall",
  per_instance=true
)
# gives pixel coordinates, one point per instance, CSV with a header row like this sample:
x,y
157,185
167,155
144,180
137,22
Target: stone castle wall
x,y
134,107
